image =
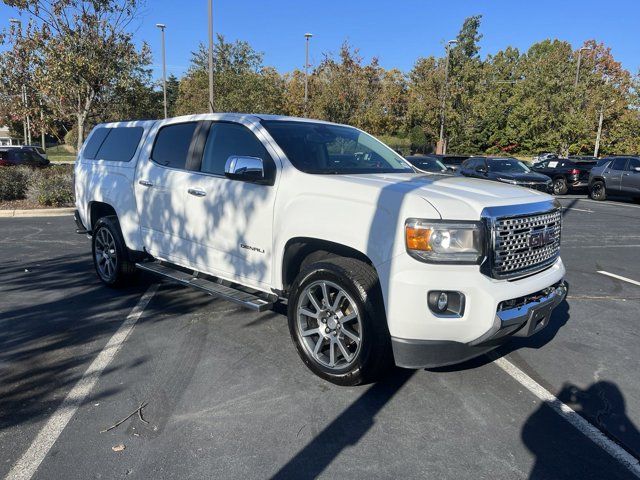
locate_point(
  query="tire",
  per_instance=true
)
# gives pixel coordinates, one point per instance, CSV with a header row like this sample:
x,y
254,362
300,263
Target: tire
x,y
354,295
598,191
110,257
560,186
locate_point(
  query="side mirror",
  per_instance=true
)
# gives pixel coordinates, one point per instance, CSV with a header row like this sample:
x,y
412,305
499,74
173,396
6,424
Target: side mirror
x,y
249,169
481,169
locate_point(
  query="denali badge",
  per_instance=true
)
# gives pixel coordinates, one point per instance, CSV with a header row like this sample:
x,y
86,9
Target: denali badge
x,y
249,247
542,238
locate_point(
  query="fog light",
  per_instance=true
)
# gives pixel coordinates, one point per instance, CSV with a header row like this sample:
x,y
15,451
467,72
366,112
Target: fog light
x,y
443,301
446,303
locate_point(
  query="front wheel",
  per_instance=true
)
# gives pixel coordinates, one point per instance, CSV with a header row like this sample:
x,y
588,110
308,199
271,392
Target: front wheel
x,y
598,191
337,321
560,186
110,253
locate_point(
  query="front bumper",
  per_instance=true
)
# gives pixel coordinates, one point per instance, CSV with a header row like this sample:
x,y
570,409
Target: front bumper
x,y
527,316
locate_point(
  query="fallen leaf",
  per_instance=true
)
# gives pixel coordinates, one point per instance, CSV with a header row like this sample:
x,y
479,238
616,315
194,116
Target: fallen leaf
x,y
118,448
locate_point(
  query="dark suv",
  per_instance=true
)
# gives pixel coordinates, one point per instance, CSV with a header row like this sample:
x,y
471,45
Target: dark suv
x,y
10,156
566,174
615,176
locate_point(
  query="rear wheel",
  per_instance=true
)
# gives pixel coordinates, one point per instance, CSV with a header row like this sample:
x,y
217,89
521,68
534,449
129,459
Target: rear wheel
x,y
598,191
560,186
337,321
110,253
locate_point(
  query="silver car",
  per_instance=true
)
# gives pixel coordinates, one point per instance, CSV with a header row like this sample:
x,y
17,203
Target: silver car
x,y
615,176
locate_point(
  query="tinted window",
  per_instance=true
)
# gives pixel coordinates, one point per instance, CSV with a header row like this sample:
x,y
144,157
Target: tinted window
x,y
633,163
334,149
507,166
227,139
120,145
172,144
618,164
93,145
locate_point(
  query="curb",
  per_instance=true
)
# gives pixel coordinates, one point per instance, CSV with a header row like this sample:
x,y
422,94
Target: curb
x,y
37,212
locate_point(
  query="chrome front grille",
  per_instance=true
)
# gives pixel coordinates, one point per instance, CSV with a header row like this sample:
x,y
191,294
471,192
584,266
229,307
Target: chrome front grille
x,y
525,244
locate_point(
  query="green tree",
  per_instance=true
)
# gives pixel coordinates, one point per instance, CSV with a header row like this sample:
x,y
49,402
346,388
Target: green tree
x,y
81,54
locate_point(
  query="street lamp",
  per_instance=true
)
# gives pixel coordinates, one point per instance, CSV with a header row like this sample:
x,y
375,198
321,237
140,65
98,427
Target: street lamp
x,y
307,36
441,145
23,92
575,85
211,56
162,26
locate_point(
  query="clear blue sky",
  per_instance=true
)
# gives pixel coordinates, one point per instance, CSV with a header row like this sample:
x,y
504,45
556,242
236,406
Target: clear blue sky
x,y
396,31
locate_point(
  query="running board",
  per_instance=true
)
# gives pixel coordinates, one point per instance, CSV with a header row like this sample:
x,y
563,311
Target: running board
x,y
231,294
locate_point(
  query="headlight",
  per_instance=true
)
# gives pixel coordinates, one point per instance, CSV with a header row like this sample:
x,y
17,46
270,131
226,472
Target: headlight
x,y
444,242
508,180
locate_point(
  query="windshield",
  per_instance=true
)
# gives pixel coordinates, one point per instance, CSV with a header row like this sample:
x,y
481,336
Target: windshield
x,y
428,164
507,166
334,149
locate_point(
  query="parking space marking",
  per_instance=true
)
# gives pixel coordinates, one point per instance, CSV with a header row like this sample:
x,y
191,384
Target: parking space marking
x,y
619,277
569,414
27,465
578,209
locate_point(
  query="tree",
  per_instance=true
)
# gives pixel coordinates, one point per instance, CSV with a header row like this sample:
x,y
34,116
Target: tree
x,y
81,55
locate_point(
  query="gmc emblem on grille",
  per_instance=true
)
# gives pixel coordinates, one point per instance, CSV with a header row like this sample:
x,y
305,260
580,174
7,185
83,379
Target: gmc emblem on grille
x,y
542,238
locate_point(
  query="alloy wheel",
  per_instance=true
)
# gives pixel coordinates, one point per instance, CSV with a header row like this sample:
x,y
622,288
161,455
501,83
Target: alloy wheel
x,y
329,325
105,254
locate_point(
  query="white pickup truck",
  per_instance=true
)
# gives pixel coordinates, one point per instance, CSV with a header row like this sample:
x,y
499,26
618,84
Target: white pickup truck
x,y
377,263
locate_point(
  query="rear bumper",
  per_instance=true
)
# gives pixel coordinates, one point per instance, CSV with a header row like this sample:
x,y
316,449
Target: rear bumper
x,y
528,316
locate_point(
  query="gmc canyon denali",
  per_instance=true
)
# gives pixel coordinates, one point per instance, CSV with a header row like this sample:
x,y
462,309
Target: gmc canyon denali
x,y
376,262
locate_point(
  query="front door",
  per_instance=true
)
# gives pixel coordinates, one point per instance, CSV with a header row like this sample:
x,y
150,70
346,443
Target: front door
x,y
613,174
631,177
228,223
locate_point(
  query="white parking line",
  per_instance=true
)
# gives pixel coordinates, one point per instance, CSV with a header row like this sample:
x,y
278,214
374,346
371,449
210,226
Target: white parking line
x,y
570,415
624,279
31,459
578,209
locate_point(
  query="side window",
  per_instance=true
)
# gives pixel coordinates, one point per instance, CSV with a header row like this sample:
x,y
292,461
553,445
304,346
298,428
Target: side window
x,y
120,145
618,164
227,139
633,163
94,143
171,147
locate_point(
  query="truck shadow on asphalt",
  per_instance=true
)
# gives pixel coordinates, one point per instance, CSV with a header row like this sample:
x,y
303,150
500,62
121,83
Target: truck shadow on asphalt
x,y
549,437
56,317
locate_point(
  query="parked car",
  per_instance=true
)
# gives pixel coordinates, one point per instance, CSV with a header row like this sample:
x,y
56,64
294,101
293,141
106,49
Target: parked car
x,y
452,162
615,176
36,149
566,174
376,262
506,170
10,156
428,163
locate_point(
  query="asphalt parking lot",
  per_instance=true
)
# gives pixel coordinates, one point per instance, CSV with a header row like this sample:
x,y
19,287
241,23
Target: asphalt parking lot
x,y
227,397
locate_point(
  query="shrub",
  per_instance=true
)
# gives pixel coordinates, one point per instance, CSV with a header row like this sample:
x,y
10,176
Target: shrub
x,y
14,182
52,186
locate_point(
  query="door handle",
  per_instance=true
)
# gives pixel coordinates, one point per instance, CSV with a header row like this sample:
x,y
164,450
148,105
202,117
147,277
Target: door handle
x,y
625,174
145,183
196,192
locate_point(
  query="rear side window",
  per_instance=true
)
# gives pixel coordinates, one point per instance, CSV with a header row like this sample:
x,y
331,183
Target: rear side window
x,y
633,163
227,139
120,145
93,145
618,164
171,147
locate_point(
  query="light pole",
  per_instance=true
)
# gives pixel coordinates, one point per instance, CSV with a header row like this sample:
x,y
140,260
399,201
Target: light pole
x,y
18,23
162,26
442,147
307,36
575,84
211,56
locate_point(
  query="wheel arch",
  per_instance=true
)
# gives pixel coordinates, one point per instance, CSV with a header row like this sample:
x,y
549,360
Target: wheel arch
x,y
300,251
97,210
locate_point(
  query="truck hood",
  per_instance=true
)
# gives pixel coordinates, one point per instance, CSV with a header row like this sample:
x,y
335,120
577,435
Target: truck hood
x,y
455,198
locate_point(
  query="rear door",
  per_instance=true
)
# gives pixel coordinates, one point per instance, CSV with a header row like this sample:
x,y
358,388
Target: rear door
x,y
613,174
228,223
631,178
160,188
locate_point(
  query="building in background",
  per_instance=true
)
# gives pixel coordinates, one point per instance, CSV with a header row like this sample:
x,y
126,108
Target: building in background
x,y
6,138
